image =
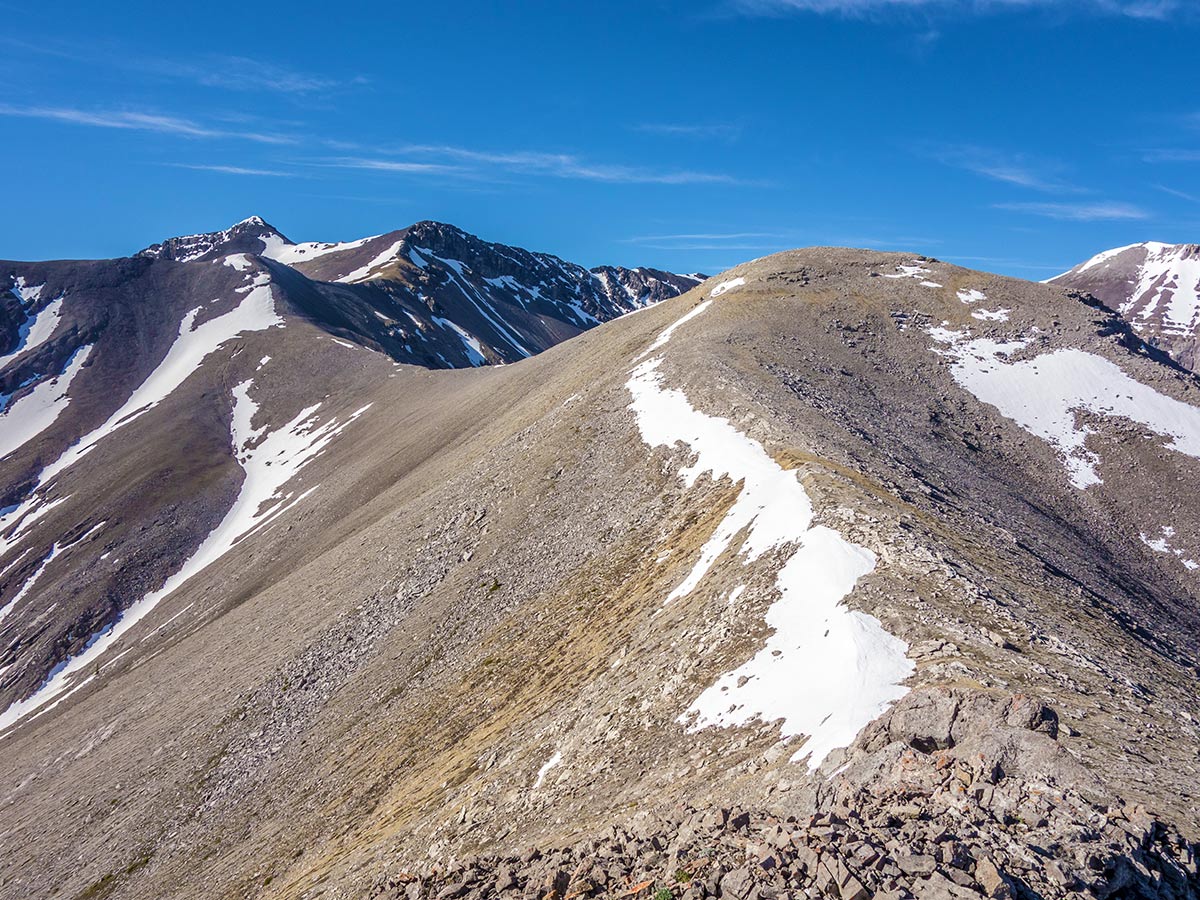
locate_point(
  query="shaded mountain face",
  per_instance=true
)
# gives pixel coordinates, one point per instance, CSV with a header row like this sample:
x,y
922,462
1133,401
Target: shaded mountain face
x,y
886,553
1156,288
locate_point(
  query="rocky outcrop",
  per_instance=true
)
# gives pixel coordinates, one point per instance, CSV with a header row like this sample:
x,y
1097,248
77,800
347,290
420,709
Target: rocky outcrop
x,y
953,794
247,236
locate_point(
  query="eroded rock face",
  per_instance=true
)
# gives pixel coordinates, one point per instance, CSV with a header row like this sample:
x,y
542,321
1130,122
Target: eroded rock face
x,y
1000,811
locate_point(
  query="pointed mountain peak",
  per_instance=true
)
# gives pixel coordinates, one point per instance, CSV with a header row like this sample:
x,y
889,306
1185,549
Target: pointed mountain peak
x,y
251,235
1132,255
430,226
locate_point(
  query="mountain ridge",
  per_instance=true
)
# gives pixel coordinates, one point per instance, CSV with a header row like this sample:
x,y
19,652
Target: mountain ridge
x,y
521,606
494,304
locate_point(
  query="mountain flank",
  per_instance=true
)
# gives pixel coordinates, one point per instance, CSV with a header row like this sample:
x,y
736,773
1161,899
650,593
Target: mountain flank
x,y
119,379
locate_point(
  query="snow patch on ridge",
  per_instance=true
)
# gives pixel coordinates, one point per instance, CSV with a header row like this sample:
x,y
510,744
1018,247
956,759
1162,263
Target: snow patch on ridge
x,y
26,292
546,767
827,670
361,273
279,250
256,312
914,271
39,327
1151,247
662,339
1162,544
471,344
56,550
991,315
1043,395
726,286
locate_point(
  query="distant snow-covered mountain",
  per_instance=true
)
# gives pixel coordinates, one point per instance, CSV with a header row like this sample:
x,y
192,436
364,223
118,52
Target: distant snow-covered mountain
x,y
1155,287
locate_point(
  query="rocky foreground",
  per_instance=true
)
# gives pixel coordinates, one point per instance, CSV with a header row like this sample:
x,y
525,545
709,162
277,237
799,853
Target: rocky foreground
x,y
969,818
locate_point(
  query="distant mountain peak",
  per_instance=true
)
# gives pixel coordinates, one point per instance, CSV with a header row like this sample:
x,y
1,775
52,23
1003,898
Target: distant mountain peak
x,y
251,235
1156,288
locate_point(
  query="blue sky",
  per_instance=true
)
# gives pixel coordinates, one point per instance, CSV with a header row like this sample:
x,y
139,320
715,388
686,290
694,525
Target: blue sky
x,y
1017,136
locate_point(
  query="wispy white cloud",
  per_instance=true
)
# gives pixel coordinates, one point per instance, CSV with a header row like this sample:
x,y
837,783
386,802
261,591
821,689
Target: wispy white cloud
x,y
139,121
732,240
711,236
1136,9
1145,9
722,132
1174,192
920,44
401,167
233,170
237,73
1017,170
566,165
1171,155
1079,212
481,164
717,245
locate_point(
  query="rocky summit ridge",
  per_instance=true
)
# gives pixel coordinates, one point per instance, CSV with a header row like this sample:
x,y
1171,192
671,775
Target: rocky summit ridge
x,y
504,302
842,573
